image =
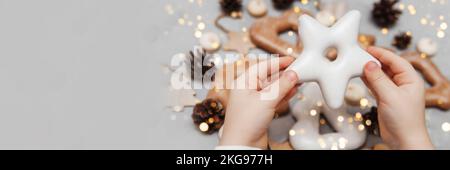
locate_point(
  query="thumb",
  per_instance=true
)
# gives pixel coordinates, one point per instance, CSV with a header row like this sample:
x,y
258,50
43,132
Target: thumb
x,y
283,85
378,82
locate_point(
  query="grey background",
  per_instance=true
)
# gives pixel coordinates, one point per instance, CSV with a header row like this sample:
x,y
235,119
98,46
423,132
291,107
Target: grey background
x,y
86,74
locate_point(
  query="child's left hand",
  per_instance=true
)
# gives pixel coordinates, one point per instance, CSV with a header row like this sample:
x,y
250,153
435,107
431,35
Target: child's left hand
x,y
250,110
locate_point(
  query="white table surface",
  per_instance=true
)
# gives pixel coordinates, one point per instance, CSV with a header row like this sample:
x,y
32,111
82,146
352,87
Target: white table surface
x,y
86,74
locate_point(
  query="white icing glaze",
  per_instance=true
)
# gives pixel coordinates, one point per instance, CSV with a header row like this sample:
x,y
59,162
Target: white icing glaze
x,y
304,135
257,8
332,76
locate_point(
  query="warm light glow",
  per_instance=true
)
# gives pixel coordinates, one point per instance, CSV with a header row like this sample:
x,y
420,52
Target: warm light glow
x,y
340,118
322,121
291,33
181,21
364,102
292,132
384,31
440,34
198,34
412,9
368,122
313,112
443,26
201,26
203,127
358,117
445,127
361,127
319,104
289,50
424,21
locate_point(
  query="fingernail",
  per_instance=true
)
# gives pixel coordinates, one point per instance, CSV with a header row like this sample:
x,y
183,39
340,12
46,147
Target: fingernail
x,y
292,76
371,66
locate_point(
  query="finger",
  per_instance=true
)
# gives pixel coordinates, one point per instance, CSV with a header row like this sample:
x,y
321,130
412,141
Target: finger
x,y
290,94
285,83
394,62
396,67
377,80
256,77
268,67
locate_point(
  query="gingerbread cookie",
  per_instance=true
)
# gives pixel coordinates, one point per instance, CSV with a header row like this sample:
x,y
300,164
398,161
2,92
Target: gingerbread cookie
x,y
332,76
438,95
264,33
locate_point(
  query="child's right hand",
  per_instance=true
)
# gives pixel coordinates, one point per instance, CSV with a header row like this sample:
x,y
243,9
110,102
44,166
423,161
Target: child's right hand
x,y
399,92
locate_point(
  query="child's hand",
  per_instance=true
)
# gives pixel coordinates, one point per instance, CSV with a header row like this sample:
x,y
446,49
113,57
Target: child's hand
x,y
401,103
248,112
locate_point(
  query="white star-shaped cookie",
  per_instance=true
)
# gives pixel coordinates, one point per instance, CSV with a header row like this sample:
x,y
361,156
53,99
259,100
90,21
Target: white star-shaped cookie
x,y
332,76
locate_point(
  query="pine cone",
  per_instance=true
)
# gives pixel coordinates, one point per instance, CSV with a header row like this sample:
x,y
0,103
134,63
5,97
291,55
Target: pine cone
x,y
231,6
371,121
196,59
210,113
402,40
384,13
282,4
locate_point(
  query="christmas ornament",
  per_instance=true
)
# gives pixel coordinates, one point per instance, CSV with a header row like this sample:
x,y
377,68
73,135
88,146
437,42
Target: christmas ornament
x,y
304,135
200,63
332,76
210,41
231,7
209,115
384,13
370,120
257,8
282,4
402,40
438,95
427,46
